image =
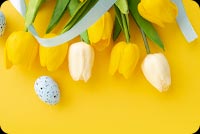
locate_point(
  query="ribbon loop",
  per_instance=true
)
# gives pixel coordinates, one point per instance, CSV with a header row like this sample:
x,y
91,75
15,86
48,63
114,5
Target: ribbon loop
x,y
184,23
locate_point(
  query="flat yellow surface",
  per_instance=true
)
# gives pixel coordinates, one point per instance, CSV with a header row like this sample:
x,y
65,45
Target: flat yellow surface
x,y
106,104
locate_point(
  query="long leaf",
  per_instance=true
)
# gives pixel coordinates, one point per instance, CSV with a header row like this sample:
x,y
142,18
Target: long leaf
x,y
73,7
79,13
32,10
145,25
117,29
57,13
118,16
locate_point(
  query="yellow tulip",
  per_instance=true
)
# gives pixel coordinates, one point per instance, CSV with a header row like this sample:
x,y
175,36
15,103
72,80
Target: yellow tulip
x,y
158,11
124,57
101,31
52,57
21,49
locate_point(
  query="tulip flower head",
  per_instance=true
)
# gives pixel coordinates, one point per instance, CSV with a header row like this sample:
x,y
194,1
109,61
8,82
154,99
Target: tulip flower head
x,y
21,49
52,57
124,57
81,60
158,11
157,71
100,32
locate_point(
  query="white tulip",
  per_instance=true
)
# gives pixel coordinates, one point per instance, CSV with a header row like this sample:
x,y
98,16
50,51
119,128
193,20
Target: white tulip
x,y
157,71
81,59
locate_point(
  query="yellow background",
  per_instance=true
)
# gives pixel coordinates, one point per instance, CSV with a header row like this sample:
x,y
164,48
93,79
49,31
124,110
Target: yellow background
x,y
106,104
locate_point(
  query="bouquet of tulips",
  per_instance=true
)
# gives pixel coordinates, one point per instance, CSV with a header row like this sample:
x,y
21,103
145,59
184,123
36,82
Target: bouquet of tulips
x,y
22,48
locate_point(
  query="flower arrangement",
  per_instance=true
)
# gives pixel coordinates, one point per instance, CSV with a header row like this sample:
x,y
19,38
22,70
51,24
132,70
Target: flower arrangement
x,y
23,46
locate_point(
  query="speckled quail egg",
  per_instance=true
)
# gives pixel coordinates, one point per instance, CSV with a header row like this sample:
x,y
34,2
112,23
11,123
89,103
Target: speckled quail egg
x,y
2,23
47,90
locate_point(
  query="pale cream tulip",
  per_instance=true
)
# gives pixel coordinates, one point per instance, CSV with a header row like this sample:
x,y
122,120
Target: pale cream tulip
x,y
81,60
157,71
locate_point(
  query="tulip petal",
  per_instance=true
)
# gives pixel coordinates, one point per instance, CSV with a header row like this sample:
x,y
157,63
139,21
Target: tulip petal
x,y
43,55
52,57
115,57
156,70
76,61
100,33
95,31
108,26
129,60
159,11
32,56
88,55
56,56
21,48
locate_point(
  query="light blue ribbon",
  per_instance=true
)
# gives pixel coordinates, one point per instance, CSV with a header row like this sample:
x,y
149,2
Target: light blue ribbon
x,y
184,23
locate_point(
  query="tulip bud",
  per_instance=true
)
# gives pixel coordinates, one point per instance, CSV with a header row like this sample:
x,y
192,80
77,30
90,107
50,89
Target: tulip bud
x,y
158,11
124,58
21,49
157,71
52,57
100,32
81,60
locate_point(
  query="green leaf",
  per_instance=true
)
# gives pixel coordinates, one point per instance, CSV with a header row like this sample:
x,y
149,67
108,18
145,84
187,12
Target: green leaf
x,y
57,13
32,10
145,25
117,29
122,5
118,16
79,13
74,5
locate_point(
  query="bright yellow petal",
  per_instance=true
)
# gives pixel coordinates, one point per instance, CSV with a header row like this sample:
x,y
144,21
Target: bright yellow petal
x,y
171,11
53,57
128,60
21,48
32,55
31,50
107,33
108,26
116,57
43,55
158,12
56,56
150,16
95,31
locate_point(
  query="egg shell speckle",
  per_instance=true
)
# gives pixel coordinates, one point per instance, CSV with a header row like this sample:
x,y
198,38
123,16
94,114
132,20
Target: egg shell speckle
x,y
2,23
47,90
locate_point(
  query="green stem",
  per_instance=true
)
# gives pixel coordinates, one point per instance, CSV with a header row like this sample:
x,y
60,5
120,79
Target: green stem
x,y
84,37
125,27
145,42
